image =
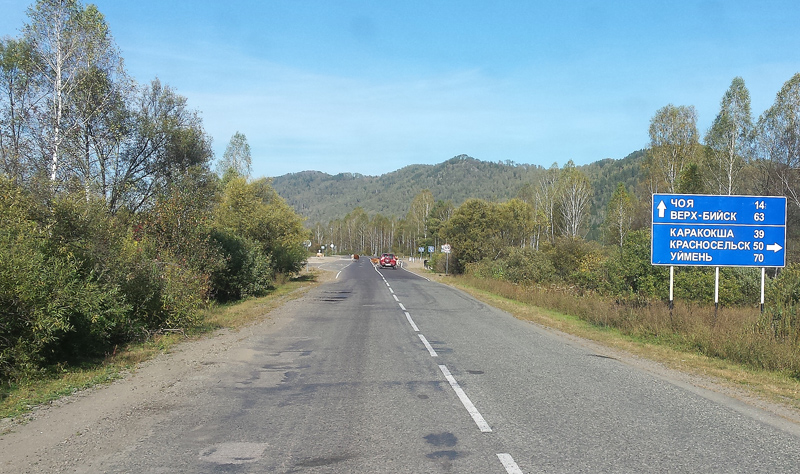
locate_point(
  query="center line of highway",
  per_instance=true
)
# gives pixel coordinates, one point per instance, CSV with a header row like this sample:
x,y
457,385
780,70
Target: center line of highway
x,y
476,416
428,346
411,321
509,464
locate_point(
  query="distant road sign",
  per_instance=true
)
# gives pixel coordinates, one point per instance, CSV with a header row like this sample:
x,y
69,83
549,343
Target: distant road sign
x,y
431,249
720,231
446,248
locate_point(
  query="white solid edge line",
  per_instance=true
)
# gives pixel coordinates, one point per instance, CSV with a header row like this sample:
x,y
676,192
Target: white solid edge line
x,y
416,274
340,271
428,346
509,464
474,413
411,321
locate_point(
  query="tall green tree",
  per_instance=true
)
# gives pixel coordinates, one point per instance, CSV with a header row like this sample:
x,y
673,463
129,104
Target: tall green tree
x,y
728,140
575,193
474,233
101,113
441,212
255,211
165,139
237,159
619,215
547,196
691,180
418,213
518,219
673,144
778,132
18,98
70,42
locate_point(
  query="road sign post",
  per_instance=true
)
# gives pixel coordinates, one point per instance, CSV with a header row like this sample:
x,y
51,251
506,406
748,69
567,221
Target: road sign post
x,y
446,249
718,231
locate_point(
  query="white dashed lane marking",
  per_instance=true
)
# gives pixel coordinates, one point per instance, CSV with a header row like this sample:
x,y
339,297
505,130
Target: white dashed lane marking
x,y
411,322
509,464
428,346
474,413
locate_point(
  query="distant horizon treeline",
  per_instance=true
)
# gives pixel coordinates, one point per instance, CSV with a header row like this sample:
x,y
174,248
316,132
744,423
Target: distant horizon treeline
x,y
113,226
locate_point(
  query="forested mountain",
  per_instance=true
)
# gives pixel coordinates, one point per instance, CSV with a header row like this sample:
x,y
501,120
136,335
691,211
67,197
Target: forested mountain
x,y
321,197
604,175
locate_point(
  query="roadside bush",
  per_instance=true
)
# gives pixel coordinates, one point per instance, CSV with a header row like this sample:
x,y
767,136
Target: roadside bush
x,y
179,226
516,266
781,318
528,265
247,271
49,310
183,296
567,253
740,286
438,263
137,273
629,274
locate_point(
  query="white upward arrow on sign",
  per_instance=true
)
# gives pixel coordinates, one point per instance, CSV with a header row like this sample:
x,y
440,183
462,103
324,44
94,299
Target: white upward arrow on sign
x,y
774,247
661,208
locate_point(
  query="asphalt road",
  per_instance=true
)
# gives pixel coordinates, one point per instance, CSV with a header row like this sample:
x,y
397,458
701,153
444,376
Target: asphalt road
x,y
384,371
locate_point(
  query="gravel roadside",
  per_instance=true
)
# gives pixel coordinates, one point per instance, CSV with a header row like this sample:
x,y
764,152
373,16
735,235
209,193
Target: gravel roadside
x,y
94,423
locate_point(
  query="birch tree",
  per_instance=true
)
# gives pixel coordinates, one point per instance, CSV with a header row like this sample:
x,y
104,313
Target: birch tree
x,y
728,140
237,159
547,197
574,203
673,143
19,94
779,138
71,42
619,215
419,211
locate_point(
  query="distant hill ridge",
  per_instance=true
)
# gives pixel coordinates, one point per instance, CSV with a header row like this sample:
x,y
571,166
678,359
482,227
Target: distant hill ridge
x,y
321,197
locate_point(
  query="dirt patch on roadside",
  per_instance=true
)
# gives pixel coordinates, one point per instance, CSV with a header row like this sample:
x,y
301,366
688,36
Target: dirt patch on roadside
x,y
110,418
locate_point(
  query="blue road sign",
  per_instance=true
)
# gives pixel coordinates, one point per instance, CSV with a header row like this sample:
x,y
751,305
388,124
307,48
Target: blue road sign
x,y
719,231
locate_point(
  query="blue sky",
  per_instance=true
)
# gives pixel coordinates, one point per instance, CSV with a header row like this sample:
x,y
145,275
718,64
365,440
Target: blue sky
x,y
370,87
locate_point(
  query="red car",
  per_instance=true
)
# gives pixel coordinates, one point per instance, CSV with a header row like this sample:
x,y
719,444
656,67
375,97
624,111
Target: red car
x,y
388,260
